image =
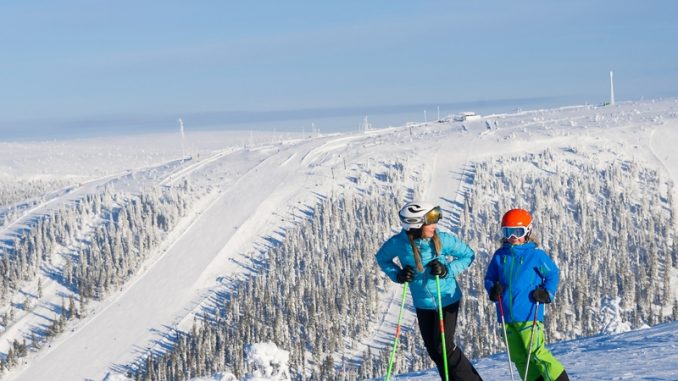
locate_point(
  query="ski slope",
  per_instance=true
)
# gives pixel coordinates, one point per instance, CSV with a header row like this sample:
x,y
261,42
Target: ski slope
x,y
264,186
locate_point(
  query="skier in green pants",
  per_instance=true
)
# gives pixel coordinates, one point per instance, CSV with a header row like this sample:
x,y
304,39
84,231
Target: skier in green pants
x,y
524,278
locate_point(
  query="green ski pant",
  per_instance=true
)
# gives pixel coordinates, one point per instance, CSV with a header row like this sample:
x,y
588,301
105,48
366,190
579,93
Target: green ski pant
x,y
542,362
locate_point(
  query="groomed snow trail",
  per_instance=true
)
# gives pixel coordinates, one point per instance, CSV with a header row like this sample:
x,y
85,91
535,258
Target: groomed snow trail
x,y
160,295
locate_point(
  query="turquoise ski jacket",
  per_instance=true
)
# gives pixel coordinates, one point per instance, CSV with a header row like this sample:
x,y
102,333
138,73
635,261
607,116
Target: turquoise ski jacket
x,y
456,255
520,269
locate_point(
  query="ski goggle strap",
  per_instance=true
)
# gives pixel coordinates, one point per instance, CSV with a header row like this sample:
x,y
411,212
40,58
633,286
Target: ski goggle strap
x,y
514,231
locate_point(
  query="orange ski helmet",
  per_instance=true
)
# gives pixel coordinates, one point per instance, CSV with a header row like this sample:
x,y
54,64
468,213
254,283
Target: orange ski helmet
x,y
516,217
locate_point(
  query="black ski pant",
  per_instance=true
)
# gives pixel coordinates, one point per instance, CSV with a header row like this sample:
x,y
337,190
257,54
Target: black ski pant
x,y
459,367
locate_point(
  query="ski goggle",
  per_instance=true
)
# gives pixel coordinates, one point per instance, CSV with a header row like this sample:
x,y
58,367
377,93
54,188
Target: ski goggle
x,y
431,217
514,231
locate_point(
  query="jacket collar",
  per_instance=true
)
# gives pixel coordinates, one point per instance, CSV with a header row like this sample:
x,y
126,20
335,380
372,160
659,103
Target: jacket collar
x,y
519,249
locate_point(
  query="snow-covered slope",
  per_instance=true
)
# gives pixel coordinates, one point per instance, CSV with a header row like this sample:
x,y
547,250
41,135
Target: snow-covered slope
x,y
645,354
259,186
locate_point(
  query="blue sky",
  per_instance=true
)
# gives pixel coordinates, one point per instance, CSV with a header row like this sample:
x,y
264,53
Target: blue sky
x,y
70,64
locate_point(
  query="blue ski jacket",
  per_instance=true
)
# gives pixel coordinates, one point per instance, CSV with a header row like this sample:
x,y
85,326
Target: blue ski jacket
x,y
520,269
456,255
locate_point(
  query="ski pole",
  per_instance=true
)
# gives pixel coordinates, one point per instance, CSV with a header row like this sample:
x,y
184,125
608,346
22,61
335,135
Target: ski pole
x,y
442,327
397,334
508,350
529,348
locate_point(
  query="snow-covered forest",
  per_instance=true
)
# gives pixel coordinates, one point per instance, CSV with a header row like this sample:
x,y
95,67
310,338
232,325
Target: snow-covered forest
x,y
90,246
20,194
607,224
610,269
279,237
313,293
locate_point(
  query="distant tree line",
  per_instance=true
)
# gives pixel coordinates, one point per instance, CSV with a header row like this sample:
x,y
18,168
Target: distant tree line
x,y
13,190
17,194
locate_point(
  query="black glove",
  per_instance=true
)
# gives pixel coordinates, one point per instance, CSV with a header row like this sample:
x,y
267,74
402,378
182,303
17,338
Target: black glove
x,y
496,291
540,295
438,268
406,275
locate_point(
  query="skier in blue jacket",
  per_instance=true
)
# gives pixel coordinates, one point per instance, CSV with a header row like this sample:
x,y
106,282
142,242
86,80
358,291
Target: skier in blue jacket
x,y
423,252
521,276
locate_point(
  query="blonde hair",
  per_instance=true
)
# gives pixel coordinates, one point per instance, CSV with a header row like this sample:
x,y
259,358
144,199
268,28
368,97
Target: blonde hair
x,y
417,256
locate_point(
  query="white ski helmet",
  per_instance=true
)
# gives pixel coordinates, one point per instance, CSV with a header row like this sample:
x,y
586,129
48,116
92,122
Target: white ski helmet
x,y
415,214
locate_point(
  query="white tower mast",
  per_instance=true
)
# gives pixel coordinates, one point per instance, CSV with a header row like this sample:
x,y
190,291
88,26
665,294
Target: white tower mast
x,y
611,89
366,124
181,131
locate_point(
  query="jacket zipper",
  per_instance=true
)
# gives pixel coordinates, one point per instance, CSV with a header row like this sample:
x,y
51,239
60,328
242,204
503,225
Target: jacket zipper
x,y
513,260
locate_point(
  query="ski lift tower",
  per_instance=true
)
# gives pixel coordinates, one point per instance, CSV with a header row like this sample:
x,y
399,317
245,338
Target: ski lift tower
x,y
611,88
